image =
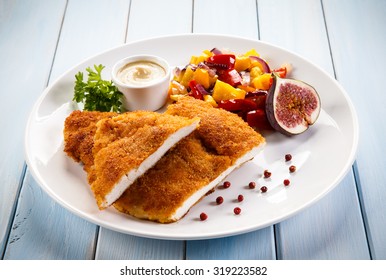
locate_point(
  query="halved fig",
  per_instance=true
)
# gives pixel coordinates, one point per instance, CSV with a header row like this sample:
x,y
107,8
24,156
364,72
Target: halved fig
x,y
292,105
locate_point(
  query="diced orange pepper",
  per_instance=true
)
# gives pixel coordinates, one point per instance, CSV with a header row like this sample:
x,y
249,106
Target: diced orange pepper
x,y
246,88
262,82
242,63
224,91
201,76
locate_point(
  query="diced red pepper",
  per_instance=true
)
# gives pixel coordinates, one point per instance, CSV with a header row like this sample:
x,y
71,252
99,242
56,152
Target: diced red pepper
x,y
255,93
259,97
196,90
221,61
258,119
282,72
234,105
230,76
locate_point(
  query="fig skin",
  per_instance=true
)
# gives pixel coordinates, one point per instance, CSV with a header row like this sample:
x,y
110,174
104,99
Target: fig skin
x,y
306,121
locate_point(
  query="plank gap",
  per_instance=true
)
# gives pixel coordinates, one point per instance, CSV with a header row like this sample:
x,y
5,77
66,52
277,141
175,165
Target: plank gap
x,y
57,44
362,208
96,236
127,21
276,239
192,26
328,39
257,19
13,210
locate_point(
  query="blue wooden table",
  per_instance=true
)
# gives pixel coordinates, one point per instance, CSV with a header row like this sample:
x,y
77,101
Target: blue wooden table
x,y
41,39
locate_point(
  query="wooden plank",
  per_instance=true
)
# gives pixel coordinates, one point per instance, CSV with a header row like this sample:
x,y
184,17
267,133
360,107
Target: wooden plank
x,y
304,235
176,17
28,36
357,38
238,18
44,230
117,246
153,18
75,44
90,27
257,245
326,231
297,26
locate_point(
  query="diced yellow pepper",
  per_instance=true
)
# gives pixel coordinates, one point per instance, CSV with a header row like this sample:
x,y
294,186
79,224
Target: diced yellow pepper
x,y
209,98
194,59
252,52
255,72
207,52
242,63
262,82
187,76
201,76
198,59
212,80
175,97
224,91
256,64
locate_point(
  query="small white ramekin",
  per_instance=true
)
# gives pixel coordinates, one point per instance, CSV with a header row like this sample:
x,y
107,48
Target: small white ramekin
x,y
149,97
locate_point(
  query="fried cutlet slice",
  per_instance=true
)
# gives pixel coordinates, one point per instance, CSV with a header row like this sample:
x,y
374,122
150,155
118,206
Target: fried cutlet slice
x,y
179,180
194,166
79,130
225,132
126,146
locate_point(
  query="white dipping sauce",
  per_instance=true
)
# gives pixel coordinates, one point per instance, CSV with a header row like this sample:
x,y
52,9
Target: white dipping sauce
x,y
140,73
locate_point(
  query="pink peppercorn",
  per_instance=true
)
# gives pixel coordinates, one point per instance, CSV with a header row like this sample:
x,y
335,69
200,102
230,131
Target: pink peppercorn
x,y
292,168
288,157
219,200
267,174
203,216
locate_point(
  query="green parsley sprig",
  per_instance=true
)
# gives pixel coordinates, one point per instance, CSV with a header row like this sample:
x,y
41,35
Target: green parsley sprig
x,y
97,94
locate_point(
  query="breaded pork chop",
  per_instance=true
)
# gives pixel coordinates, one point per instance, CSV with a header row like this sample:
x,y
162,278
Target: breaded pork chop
x,y
126,146
194,166
225,132
168,190
79,130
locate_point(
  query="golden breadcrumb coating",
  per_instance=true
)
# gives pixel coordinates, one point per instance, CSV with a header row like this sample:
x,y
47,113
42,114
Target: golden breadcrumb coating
x,y
181,172
192,164
221,130
110,145
79,130
123,142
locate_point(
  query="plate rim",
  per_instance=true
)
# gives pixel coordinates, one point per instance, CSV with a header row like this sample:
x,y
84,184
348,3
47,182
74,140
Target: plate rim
x,y
344,171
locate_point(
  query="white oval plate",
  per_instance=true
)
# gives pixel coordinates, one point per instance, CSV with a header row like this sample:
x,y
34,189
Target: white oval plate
x,y
335,132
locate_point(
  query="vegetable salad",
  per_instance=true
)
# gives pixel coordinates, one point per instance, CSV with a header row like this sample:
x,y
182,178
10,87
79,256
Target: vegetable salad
x,y
238,83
